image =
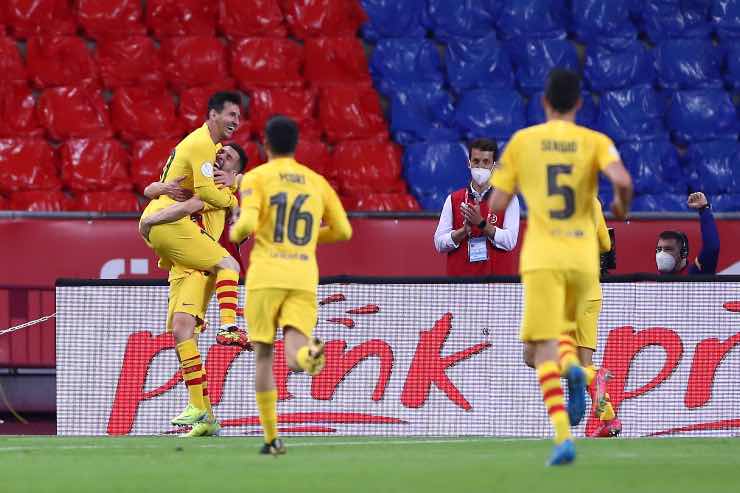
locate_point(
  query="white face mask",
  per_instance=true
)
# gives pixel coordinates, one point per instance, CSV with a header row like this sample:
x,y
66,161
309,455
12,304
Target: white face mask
x,y
665,262
480,175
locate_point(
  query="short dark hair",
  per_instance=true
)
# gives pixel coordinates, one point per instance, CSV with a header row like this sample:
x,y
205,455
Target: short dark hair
x,y
484,145
681,239
563,89
243,160
219,99
282,135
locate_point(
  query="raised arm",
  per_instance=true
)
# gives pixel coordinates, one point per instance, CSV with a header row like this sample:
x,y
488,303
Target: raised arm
x,y
706,261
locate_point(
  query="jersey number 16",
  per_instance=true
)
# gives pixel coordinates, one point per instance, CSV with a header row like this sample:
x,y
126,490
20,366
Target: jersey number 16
x,y
296,216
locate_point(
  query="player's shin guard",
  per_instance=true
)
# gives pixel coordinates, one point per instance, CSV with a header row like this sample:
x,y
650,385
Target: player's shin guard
x,y
567,353
548,375
192,371
267,407
227,281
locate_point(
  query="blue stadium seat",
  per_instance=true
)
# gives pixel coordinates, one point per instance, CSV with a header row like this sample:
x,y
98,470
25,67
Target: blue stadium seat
x,y
632,114
688,64
725,16
404,61
714,163
675,19
433,170
534,58
732,72
659,203
422,112
618,65
492,113
393,19
606,192
478,62
654,167
594,19
471,18
729,202
532,19
702,114
586,116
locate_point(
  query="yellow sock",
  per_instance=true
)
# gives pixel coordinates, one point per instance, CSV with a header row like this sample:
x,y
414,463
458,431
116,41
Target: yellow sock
x,y
192,371
206,399
590,373
567,353
548,375
226,285
608,413
267,406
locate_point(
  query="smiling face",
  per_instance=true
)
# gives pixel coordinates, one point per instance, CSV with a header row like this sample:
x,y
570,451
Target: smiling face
x,y
226,122
227,159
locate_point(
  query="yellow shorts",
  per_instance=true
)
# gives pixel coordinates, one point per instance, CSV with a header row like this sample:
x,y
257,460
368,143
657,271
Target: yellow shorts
x,y
191,294
587,321
183,242
552,300
270,308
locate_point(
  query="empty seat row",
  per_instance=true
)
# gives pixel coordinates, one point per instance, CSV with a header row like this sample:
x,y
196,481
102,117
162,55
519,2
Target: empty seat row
x,y
57,201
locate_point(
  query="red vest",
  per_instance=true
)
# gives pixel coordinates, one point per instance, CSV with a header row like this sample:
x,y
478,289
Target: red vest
x,y
499,263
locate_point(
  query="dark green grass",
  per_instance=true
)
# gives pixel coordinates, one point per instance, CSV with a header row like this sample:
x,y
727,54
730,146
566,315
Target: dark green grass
x,y
341,464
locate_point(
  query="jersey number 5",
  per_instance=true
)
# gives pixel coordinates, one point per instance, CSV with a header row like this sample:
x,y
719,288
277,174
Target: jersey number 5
x,y
569,196
280,200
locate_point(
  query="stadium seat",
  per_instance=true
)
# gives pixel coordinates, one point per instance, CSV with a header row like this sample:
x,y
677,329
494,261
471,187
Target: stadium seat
x,y
255,156
105,202
654,167
732,72
494,113
532,19
659,203
367,166
674,19
147,160
311,18
296,103
383,202
168,18
194,61
393,19
618,65
433,170
534,58
478,62
144,113
586,116
702,114
725,16
129,61
339,59
422,112
267,62
18,116
351,112
314,154
28,164
714,163
405,61
43,17
111,18
59,61
729,202
595,19
73,112
194,106
38,201
11,63
468,18
4,204
94,165
631,114
247,18
688,64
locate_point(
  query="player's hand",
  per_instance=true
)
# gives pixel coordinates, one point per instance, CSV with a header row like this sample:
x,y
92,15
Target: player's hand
x,y
234,217
471,213
697,200
174,191
145,228
224,178
618,209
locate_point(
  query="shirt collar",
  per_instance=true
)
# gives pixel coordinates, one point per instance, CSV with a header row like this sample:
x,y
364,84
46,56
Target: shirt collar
x,y
478,196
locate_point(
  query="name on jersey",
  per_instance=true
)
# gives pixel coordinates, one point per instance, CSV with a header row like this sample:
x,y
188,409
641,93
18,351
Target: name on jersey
x,y
559,146
289,255
293,178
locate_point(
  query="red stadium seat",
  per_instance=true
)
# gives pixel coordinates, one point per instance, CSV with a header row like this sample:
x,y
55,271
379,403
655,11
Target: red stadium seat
x,y
28,164
194,105
311,18
245,18
46,17
366,166
314,154
299,104
4,203
18,111
37,201
255,156
111,18
147,160
244,133
383,202
129,61
267,62
72,111
351,112
105,202
194,61
336,60
144,113
94,165
59,61
181,17
11,63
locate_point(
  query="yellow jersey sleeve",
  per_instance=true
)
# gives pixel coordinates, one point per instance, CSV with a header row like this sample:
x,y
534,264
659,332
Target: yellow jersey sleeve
x,y
606,151
505,178
336,224
251,202
602,232
203,184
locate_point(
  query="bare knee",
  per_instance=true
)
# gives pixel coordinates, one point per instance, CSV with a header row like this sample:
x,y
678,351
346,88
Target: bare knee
x,y
183,327
228,263
528,355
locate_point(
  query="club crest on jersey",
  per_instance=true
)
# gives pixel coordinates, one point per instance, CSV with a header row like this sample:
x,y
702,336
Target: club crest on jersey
x,y
492,218
207,170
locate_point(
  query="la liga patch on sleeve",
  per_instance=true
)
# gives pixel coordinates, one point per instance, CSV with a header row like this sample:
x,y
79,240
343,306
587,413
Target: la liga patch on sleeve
x,y
207,170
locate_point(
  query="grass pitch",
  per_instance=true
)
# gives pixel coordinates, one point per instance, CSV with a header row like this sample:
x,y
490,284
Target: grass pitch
x,y
341,464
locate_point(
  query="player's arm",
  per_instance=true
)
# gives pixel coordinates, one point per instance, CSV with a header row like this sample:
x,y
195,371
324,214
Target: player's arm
x,y
169,214
251,202
204,186
172,189
706,261
504,180
336,225
602,232
611,165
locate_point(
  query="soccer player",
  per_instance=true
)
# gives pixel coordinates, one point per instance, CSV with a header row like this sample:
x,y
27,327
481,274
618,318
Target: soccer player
x,y
555,166
284,204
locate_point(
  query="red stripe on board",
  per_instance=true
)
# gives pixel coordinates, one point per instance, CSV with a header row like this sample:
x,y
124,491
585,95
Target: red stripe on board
x,y
227,282
318,417
725,424
227,306
555,409
227,294
549,376
552,393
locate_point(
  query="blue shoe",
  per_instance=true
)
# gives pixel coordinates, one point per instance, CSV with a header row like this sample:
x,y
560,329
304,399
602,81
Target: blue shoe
x,y
563,454
576,394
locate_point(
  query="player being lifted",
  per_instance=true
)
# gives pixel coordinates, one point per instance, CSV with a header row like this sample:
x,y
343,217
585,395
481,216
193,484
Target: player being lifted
x,y
284,204
555,166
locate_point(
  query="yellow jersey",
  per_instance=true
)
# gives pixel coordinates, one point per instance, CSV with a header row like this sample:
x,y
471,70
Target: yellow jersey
x,y
602,232
555,167
284,204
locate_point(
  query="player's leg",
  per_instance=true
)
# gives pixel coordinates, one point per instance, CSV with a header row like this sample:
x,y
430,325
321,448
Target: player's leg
x,y
227,282
576,292
298,315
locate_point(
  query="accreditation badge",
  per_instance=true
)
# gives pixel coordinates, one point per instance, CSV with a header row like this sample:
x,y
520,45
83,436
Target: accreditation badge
x,y
477,249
